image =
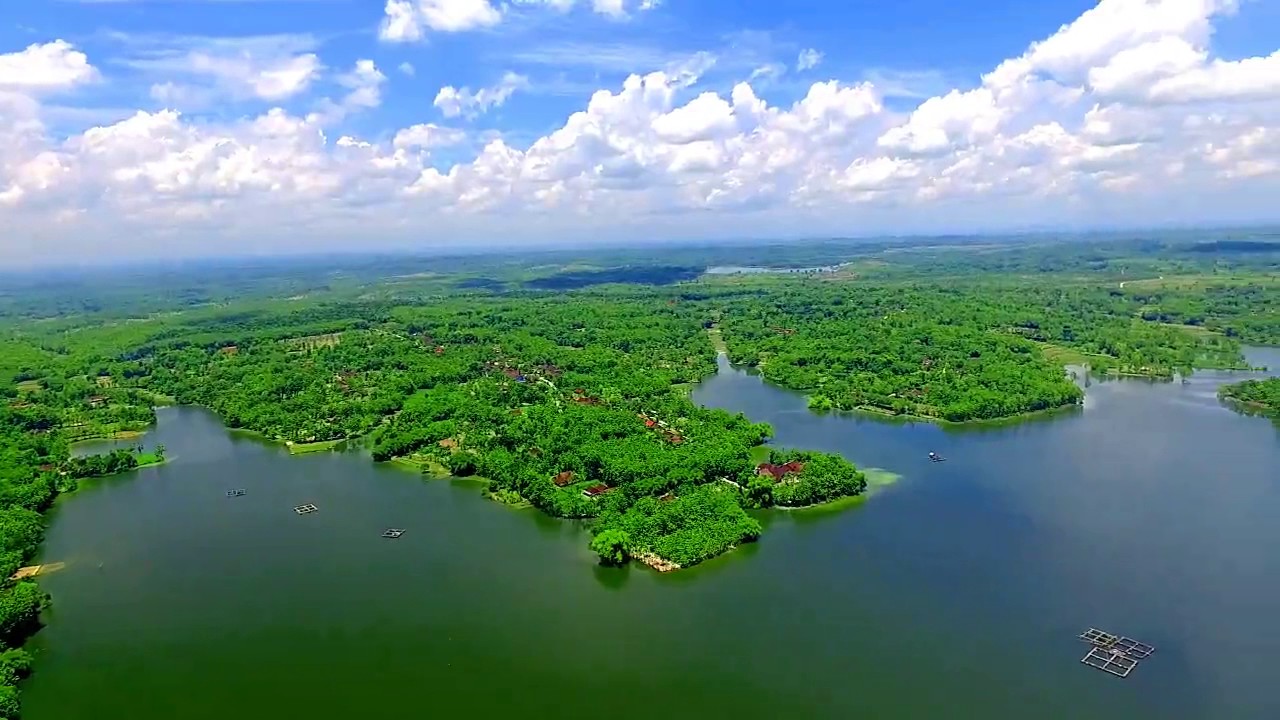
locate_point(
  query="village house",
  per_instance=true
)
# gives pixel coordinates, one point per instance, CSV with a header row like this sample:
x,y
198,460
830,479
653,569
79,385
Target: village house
x,y
778,472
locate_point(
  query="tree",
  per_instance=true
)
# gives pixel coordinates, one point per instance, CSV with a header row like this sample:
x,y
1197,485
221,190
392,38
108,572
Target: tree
x,y
611,545
759,492
160,451
15,664
20,607
8,702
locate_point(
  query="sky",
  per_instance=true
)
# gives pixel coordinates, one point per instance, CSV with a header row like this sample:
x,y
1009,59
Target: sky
x,y
189,128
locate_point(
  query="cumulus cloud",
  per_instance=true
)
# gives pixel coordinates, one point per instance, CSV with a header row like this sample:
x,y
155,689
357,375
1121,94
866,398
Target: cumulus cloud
x,y
1127,113
454,101
365,84
51,66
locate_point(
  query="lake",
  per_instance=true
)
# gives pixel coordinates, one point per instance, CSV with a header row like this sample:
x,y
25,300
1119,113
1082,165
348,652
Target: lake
x,y
955,593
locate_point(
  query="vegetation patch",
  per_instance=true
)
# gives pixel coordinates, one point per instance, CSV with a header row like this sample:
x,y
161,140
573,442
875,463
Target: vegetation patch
x,y
572,402
296,448
424,464
1260,395
1060,355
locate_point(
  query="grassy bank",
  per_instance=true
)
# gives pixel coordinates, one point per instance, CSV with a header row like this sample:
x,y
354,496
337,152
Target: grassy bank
x,y
296,448
421,463
151,460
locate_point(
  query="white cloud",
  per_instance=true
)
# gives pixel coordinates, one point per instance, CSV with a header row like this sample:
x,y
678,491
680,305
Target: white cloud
x,y
1255,78
706,117
401,22
454,101
409,20
407,69
272,82
260,67
944,122
1126,114
365,84
427,136
808,59
51,66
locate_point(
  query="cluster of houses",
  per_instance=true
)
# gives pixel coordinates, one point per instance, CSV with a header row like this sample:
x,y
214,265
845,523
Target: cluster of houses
x,y
430,342
780,473
668,432
568,476
540,372
581,397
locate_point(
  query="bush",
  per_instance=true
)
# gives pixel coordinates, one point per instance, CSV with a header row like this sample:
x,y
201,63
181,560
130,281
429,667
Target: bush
x,y
9,705
20,607
611,546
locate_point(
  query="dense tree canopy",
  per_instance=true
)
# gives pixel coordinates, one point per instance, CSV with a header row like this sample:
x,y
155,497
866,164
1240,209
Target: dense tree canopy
x,y
577,401
1263,395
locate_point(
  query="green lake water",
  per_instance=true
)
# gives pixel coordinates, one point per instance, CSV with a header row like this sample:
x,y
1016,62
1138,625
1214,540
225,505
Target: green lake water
x,y
955,593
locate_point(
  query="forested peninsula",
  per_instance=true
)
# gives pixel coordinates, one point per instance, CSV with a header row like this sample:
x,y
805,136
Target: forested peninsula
x,y
1260,395
562,382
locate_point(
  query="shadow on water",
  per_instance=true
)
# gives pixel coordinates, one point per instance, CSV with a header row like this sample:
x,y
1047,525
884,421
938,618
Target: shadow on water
x,y
611,578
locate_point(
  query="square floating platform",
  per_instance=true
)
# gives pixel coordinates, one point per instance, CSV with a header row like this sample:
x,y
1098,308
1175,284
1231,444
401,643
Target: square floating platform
x,y
1110,661
1114,654
1098,637
1133,648
235,493
392,533
305,509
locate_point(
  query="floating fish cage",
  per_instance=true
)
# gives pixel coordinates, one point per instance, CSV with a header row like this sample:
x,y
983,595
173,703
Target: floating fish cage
x,y
392,533
1114,654
305,509
235,493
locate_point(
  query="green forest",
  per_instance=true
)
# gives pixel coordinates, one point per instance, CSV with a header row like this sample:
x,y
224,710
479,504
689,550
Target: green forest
x,y
562,380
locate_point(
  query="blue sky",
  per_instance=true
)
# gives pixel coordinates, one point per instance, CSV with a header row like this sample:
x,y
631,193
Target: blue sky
x,y
915,47
194,124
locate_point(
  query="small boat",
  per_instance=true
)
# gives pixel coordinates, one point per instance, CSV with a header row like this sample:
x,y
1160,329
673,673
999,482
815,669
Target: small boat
x,y
935,457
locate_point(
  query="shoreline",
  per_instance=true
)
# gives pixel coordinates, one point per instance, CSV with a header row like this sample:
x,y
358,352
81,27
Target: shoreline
x,y
115,435
297,448
873,411
433,469
663,565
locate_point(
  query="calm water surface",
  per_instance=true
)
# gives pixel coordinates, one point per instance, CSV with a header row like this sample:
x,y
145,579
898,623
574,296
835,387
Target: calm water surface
x,y
956,593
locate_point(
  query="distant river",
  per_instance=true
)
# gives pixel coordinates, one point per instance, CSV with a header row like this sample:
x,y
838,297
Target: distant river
x,y
956,593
